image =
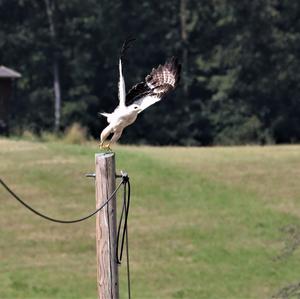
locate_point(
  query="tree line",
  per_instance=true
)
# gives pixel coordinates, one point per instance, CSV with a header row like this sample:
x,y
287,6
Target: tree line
x,y
240,66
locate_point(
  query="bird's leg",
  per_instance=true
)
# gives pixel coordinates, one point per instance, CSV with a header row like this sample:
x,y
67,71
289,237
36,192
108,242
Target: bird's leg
x,y
115,137
101,143
104,134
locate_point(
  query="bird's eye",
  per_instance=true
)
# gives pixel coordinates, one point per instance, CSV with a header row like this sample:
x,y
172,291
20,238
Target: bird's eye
x,y
135,107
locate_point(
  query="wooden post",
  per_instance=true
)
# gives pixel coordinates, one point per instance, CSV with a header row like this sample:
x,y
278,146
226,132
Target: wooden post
x,y
106,228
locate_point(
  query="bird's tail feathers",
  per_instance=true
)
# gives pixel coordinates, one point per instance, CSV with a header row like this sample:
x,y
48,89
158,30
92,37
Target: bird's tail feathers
x,y
103,114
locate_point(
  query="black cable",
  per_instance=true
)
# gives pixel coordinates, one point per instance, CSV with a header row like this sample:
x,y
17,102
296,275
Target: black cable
x,y
128,268
59,220
124,214
127,245
124,239
119,255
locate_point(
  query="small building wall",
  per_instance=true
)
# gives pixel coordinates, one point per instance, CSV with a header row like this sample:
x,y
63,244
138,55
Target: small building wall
x,y
5,95
7,76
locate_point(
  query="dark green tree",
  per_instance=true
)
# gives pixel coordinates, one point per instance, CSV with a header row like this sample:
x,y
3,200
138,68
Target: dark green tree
x,y
239,79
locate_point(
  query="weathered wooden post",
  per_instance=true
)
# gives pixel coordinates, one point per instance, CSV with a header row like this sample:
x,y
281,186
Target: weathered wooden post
x,y
106,228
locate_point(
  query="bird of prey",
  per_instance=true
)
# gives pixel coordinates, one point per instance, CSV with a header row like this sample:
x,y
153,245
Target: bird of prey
x,y
156,85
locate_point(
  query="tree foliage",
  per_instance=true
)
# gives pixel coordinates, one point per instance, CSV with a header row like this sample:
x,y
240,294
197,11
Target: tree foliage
x,y
240,66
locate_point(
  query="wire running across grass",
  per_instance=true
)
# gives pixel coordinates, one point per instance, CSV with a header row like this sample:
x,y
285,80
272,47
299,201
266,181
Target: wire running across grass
x,y
26,205
123,219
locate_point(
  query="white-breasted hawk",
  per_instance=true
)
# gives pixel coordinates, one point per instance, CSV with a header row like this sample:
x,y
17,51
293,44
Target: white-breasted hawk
x,y
156,85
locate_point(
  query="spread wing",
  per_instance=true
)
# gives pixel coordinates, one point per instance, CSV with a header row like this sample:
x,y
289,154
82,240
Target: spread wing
x,y
121,84
161,80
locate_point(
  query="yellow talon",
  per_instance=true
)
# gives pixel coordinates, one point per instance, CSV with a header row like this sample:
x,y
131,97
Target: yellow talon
x,y
105,147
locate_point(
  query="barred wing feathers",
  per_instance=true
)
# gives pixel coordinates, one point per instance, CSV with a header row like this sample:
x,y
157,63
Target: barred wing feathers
x,y
161,81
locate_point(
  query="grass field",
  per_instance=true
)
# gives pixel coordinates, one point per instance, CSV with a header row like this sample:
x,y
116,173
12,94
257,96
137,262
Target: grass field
x,y
205,223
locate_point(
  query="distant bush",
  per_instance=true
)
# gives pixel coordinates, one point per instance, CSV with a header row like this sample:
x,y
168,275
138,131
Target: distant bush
x,y
29,135
244,131
76,134
47,136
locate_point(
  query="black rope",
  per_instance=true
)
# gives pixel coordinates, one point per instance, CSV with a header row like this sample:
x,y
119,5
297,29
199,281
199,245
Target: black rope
x,y
127,244
119,255
124,215
124,239
60,220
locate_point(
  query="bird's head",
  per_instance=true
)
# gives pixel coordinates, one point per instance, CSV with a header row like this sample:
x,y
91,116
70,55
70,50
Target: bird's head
x,y
135,108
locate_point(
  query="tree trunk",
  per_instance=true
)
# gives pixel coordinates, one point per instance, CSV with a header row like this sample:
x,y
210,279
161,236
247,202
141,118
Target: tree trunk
x,y
57,96
184,39
50,8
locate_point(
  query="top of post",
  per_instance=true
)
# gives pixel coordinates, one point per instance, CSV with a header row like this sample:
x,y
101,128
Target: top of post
x,y
104,155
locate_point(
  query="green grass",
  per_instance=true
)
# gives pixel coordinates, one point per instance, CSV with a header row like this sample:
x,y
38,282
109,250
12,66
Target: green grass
x,y
204,223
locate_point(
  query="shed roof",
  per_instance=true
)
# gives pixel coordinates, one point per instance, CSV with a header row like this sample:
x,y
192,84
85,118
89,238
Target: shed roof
x,y
5,72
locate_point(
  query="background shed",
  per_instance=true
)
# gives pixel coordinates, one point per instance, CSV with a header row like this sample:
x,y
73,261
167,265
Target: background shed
x,y
6,90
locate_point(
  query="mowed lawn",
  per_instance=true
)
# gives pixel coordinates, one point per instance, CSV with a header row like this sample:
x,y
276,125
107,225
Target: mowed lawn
x,y
205,223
